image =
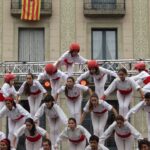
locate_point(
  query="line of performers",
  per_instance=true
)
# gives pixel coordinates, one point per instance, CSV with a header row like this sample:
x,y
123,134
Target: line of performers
x,y
20,121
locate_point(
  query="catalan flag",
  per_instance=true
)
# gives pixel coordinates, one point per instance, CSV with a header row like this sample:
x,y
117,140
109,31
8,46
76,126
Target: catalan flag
x,y
31,10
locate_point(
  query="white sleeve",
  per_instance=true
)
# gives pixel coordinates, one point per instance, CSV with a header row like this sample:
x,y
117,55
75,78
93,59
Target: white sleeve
x,y
112,87
106,105
23,111
61,89
135,109
62,136
20,131
61,114
41,131
82,60
40,86
64,55
134,84
4,89
85,132
134,132
41,76
83,76
107,132
82,87
86,107
64,75
14,91
21,89
146,88
111,73
140,75
103,147
39,112
3,111
2,135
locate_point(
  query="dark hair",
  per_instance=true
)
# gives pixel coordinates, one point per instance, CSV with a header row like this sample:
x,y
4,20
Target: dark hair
x,y
147,95
123,70
119,117
66,87
97,71
8,143
94,138
33,130
48,141
144,141
73,119
49,98
90,104
27,86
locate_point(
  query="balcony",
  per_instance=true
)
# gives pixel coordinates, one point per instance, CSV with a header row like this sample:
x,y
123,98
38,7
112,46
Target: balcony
x,y
46,7
108,8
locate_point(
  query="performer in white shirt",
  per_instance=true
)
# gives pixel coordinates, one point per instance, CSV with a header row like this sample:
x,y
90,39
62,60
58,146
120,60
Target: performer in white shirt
x,y
55,115
143,77
94,144
2,135
125,134
54,75
69,58
5,144
7,88
143,105
143,145
73,93
34,90
75,134
16,115
32,133
46,145
99,113
99,75
125,87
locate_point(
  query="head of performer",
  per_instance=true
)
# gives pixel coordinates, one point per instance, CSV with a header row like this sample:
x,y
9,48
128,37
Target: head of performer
x,y
70,82
9,78
140,66
10,103
46,144
93,67
147,98
30,125
72,123
144,145
49,101
5,144
94,101
50,69
120,121
122,73
94,140
74,49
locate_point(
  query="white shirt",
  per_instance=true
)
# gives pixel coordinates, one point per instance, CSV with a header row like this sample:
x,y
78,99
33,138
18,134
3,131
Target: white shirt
x,y
67,57
136,108
36,86
75,91
2,135
99,77
100,147
54,112
102,106
8,90
75,134
117,84
43,149
24,130
15,112
126,129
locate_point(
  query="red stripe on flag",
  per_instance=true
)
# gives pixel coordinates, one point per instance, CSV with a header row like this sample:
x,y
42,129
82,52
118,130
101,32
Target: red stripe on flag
x,y
28,11
24,9
37,10
33,5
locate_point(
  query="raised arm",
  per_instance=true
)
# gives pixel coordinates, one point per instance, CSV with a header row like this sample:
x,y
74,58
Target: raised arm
x,y
39,112
83,76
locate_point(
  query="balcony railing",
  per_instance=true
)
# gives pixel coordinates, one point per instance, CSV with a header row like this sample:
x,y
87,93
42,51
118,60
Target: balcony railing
x,y
46,7
104,9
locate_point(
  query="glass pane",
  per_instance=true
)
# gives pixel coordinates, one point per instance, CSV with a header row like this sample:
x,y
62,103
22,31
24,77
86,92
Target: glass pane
x,y
97,45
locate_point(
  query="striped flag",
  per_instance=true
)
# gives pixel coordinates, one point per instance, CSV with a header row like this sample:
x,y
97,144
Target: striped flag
x,y
31,10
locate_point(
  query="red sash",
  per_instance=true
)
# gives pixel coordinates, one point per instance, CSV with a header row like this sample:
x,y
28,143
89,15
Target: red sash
x,y
73,98
33,139
67,62
17,119
56,79
2,98
146,80
103,111
124,136
125,92
36,92
82,137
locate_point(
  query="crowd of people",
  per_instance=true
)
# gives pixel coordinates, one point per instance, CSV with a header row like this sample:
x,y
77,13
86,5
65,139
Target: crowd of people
x,y
20,121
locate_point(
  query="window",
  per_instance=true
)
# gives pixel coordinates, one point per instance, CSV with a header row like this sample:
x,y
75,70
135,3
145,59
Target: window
x,y
104,44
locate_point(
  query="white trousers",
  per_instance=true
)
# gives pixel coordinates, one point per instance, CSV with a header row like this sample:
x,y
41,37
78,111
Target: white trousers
x,y
13,126
1,105
124,102
99,122
148,125
75,108
34,103
124,143
78,146
70,69
33,145
55,85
